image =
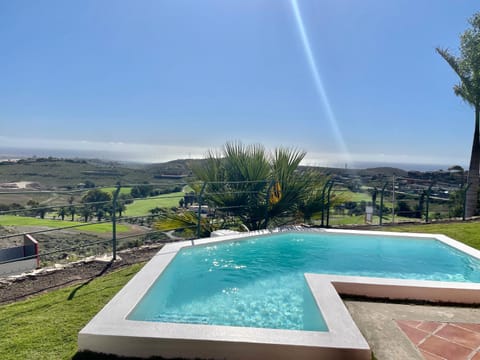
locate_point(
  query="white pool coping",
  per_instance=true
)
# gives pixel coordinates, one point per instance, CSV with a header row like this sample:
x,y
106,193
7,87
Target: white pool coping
x,y
110,331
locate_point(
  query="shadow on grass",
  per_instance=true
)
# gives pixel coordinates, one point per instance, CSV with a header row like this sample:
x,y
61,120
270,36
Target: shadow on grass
x,y
104,270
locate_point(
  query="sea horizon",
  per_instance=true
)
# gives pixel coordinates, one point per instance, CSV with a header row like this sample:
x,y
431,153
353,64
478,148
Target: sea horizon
x,y
12,154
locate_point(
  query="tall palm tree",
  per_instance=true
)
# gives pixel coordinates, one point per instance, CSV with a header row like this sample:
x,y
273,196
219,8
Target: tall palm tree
x,y
467,67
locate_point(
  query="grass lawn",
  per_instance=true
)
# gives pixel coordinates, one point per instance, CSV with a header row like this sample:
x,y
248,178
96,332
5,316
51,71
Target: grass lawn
x,y
362,196
123,190
360,220
466,232
141,207
354,196
46,326
11,220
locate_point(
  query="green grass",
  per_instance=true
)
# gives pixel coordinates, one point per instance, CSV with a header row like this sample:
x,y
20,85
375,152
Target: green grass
x,y
11,220
141,207
360,220
111,190
355,196
362,196
345,220
46,326
466,232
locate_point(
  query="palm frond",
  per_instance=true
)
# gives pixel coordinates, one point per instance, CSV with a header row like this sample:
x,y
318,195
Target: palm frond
x,y
454,62
187,221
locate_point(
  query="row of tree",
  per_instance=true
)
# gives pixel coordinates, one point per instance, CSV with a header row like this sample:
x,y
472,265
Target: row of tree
x,y
95,203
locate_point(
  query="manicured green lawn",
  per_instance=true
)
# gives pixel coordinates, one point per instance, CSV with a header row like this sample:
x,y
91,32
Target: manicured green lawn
x,y
360,220
466,232
141,207
123,190
355,196
11,220
345,220
46,326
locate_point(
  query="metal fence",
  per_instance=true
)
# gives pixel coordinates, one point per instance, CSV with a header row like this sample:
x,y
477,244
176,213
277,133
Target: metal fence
x,y
73,229
64,229
394,200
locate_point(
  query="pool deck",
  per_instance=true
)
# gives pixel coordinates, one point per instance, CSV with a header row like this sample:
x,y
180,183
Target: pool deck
x,y
418,332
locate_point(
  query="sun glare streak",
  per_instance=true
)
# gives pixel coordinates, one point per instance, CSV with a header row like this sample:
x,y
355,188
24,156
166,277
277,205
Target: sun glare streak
x,y
318,81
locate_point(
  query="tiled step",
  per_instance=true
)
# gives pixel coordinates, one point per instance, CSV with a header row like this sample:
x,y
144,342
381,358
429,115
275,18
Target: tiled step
x,y
443,341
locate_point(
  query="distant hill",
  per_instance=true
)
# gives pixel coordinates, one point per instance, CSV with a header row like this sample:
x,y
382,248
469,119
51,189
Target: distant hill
x,y
175,168
57,173
386,171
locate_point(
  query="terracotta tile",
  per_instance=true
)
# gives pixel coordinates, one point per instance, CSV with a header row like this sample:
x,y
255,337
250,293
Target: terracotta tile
x,y
412,333
447,349
460,336
412,323
428,356
476,356
429,326
472,327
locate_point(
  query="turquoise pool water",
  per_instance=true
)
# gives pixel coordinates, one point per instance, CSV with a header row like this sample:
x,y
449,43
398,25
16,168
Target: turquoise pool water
x,y
259,282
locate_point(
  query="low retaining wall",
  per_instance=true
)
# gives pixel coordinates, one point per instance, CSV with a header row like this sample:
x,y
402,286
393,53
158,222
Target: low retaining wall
x,y
20,259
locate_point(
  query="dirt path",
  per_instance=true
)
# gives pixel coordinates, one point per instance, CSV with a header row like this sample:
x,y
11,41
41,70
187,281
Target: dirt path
x,y
14,289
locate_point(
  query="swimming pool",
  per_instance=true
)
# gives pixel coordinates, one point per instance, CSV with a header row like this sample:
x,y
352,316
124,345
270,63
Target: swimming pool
x,y
260,282
149,316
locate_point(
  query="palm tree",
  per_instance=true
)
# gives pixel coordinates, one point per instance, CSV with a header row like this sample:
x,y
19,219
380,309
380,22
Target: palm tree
x,y
185,220
62,212
121,208
86,212
72,211
71,208
253,185
467,67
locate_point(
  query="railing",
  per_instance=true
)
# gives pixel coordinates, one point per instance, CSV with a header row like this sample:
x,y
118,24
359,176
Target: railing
x,y
73,228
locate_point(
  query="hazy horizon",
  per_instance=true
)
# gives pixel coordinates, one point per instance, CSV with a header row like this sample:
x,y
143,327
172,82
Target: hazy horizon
x,y
11,153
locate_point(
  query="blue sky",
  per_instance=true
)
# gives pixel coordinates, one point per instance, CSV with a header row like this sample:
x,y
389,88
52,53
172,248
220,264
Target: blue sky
x,y
158,80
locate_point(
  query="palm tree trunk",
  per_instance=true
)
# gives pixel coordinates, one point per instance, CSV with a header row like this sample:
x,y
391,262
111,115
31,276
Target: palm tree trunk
x,y
473,170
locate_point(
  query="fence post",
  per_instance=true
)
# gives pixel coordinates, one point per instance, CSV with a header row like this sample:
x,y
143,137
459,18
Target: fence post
x,y
114,221
328,202
427,209
381,204
393,200
323,202
465,201
199,213
267,202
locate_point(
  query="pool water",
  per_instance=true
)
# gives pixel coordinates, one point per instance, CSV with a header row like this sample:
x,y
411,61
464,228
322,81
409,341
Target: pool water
x,y
259,282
